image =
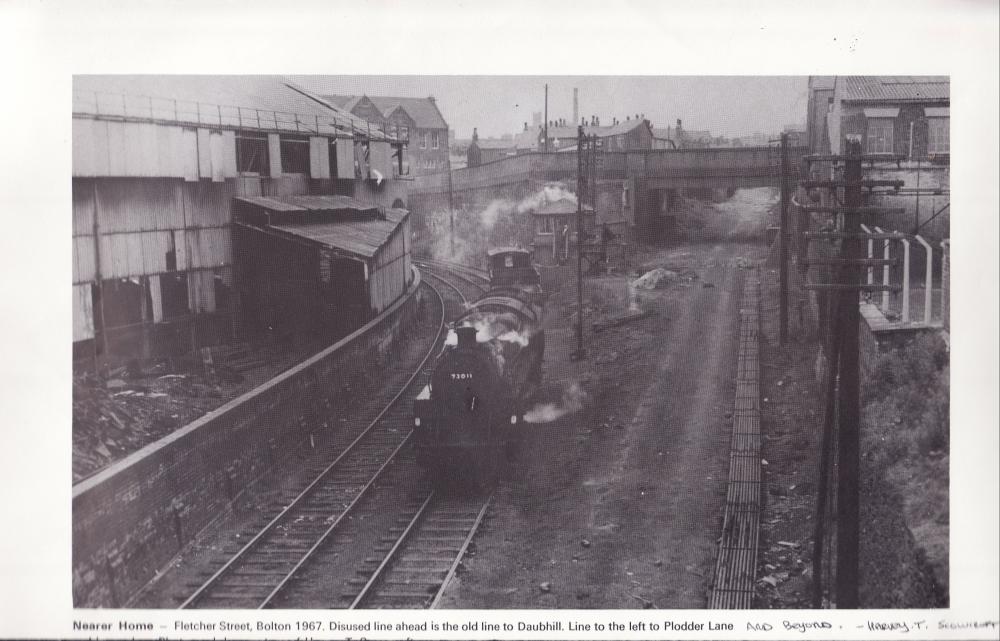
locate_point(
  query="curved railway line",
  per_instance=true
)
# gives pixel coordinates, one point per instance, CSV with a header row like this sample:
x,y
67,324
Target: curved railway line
x,y
414,555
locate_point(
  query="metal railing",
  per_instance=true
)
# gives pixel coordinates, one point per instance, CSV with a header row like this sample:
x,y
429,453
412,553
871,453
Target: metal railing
x,y
101,104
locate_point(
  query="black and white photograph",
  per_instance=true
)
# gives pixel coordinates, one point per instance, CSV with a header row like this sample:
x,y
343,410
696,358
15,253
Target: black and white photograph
x,y
516,340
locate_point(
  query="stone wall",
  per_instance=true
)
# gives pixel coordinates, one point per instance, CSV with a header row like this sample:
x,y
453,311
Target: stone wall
x,y
132,518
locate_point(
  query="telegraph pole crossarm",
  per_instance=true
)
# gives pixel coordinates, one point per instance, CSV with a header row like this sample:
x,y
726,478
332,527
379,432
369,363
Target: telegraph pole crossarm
x,y
842,425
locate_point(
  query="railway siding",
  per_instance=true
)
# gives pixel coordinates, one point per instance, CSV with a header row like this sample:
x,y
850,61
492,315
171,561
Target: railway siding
x,y
132,518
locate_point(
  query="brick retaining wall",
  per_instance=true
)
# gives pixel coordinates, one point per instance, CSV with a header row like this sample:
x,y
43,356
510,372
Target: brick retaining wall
x,y
133,518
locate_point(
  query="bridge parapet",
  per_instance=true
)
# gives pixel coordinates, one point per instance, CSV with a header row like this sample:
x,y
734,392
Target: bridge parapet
x,y
761,165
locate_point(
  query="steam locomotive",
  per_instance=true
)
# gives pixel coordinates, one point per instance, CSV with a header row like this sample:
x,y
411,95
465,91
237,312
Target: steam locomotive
x,y
469,416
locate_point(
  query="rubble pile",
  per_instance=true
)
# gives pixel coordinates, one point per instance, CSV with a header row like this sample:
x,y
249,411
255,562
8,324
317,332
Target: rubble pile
x,y
119,415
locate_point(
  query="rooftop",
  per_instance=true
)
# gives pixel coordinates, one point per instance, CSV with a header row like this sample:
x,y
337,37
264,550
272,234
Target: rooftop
x,y
601,131
894,88
561,206
338,222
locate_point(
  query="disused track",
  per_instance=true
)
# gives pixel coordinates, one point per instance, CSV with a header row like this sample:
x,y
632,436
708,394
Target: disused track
x,y
265,566
417,567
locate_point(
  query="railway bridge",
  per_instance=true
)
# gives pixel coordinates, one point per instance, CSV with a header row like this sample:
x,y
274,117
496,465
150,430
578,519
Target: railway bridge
x,y
638,187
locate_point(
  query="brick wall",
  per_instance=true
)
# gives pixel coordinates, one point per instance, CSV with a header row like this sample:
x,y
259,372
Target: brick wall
x,y
131,519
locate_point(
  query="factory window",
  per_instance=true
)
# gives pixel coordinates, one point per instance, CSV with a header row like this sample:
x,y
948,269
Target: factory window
x,y
938,137
879,136
123,300
294,154
174,293
435,140
223,277
251,153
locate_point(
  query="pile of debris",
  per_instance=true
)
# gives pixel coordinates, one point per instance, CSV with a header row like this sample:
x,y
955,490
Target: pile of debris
x,y
117,415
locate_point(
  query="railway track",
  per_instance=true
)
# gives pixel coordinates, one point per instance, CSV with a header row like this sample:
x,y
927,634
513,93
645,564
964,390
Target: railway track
x,y
470,277
269,568
418,565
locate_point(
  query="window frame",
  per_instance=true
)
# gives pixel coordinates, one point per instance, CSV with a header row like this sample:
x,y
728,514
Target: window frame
x,y
880,121
300,144
435,140
946,131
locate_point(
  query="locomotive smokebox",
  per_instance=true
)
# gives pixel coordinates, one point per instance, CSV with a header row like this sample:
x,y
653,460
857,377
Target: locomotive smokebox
x,y
466,337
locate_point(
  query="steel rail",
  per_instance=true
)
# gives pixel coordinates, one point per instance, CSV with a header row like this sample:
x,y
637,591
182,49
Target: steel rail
x,y
457,274
461,552
377,574
333,526
308,489
478,272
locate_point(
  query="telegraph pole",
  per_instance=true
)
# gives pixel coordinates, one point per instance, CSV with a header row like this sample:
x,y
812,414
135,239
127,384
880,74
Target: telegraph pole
x,y
849,279
579,353
783,244
451,210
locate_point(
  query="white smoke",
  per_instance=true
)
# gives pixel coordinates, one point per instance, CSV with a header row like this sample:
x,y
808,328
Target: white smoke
x,y
498,326
572,400
548,194
474,231
514,337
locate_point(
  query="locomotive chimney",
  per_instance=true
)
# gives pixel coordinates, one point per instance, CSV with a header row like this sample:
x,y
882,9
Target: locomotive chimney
x,y
466,336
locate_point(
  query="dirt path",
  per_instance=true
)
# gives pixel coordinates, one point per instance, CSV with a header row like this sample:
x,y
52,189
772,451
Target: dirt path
x,y
620,505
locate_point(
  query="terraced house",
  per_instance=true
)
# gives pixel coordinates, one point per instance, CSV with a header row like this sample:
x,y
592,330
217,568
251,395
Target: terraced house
x,y
415,119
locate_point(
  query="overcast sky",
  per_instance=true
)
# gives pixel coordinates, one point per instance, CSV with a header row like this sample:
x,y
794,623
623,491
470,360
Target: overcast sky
x,y
725,105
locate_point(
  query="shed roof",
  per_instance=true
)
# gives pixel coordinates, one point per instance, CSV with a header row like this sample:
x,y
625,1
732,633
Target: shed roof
x,y
561,206
423,111
249,102
896,88
358,236
309,203
506,250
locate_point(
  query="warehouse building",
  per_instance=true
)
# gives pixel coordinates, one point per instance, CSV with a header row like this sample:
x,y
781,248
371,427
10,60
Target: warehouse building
x,y
157,163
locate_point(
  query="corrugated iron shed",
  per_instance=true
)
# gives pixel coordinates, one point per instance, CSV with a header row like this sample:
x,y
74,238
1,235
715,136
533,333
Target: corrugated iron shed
x,y
309,203
361,237
560,207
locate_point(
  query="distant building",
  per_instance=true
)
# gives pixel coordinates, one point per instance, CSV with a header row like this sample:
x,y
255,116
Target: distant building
x,y
620,136
417,120
903,116
680,138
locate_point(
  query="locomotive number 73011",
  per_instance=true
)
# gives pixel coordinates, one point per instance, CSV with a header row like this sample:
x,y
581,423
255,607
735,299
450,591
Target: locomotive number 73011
x,y
461,376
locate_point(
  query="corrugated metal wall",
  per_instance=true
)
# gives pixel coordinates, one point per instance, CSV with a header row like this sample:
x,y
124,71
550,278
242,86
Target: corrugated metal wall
x,y
390,272
148,150
83,312
150,227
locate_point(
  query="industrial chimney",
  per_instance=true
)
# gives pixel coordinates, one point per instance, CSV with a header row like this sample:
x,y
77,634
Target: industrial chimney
x,y
576,106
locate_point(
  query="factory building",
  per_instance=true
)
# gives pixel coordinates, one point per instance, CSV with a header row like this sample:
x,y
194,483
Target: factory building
x,y
157,164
